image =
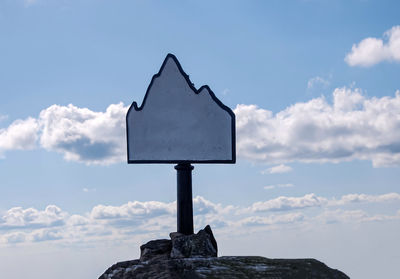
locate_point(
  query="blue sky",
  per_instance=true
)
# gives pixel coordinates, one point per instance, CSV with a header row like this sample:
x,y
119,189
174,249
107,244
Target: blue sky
x,y
315,89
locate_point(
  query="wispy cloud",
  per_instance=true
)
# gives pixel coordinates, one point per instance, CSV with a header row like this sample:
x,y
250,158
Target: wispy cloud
x,y
317,82
277,169
270,187
225,91
371,51
3,117
363,198
272,219
88,190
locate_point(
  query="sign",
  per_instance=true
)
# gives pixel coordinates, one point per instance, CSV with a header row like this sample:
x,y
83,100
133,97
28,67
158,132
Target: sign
x,y
178,123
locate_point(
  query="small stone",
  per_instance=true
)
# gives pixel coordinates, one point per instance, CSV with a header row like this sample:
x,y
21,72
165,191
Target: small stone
x,y
155,250
202,244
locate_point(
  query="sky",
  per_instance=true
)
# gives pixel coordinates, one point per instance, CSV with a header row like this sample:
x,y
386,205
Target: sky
x,y
316,92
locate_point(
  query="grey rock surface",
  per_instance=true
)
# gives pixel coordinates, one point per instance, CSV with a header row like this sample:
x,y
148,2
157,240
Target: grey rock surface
x,y
195,257
202,244
155,250
224,267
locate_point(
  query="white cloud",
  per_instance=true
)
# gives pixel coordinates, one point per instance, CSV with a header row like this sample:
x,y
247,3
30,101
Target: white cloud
x,y
45,235
202,206
134,209
84,135
14,237
352,216
270,187
31,217
371,51
87,190
78,133
357,198
339,215
317,82
278,169
21,134
354,127
284,203
77,220
272,220
151,218
288,203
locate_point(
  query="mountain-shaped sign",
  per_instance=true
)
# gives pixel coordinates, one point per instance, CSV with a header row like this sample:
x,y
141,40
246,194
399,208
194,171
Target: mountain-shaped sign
x,y
177,123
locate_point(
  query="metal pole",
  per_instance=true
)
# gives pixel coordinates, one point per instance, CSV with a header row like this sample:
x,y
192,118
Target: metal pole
x,y
185,200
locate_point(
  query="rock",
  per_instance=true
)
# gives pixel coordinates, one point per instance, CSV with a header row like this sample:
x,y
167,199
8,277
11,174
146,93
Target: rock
x,y
226,268
202,244
118,270
195,256
156,249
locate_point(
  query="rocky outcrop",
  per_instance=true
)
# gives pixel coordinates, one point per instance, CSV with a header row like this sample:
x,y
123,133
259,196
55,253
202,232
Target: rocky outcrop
x,y
156,250
202,244
195,256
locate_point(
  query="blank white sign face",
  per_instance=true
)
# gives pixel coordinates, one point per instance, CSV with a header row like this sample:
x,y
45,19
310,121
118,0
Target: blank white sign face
x,y
177,123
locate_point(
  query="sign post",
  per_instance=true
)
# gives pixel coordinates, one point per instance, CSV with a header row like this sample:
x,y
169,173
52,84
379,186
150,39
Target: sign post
x,y
179,124
184,198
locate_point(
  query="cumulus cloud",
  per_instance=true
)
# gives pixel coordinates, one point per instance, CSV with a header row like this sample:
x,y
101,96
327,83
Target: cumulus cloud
x,y
288,203
84,135
121,223
284,203
277,169
272,220
21,134
352,216
371,51
359,198
79,134
31,217
45,235
14,237
353,127
202,206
